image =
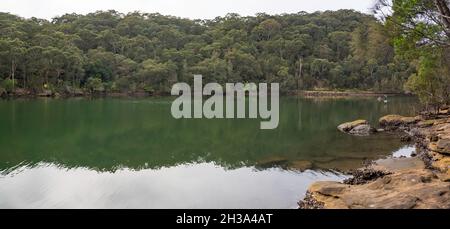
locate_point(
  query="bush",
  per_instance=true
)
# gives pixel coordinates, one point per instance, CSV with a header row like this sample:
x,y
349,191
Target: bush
x,y
95,85
2,91
8,85
149,89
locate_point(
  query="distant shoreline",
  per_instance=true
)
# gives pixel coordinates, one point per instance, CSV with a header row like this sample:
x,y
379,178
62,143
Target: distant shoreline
x,y
313,93
140,94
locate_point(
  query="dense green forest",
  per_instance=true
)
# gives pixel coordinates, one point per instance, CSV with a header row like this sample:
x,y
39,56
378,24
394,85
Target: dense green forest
x,y
138,52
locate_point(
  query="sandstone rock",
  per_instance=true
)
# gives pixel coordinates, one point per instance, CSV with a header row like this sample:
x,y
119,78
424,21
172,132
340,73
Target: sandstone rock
x,y
433,138
362,130
445,177
403,190
426,123
444,111
358,127
442,121
443,146
418,182
346,127
329,188
398,164
397,120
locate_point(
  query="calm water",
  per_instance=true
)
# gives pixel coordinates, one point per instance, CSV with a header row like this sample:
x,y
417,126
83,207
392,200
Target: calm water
x,y
131,153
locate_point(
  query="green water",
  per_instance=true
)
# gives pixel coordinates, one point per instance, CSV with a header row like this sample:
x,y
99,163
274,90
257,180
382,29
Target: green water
x,y
115,153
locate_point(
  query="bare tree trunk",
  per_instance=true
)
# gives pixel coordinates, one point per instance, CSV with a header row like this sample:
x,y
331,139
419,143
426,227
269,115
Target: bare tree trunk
x,y
46,77
299,73
13,73
445,13
25,77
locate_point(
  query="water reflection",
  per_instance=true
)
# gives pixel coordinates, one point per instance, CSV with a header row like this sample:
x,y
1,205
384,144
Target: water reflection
x,y
405,151
202,185
131,153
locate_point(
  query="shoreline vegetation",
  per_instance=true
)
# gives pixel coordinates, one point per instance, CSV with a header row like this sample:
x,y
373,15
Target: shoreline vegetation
x,y
303,93
416,182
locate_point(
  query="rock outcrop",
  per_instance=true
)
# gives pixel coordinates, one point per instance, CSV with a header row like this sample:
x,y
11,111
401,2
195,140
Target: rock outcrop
x,y
406,189
358,127
392,122
419,182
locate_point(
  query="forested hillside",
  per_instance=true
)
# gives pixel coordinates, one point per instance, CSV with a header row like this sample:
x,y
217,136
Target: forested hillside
x,y
113,52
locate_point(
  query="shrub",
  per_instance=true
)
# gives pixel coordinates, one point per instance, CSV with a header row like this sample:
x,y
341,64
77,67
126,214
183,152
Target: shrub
x,y
8,85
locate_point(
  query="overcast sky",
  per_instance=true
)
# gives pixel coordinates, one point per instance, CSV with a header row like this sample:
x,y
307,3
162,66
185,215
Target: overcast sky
x,y
194,9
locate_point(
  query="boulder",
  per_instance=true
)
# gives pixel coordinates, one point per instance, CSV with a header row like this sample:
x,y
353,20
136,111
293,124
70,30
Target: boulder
x,y
358,127
346,127
362,130
444,111
443,146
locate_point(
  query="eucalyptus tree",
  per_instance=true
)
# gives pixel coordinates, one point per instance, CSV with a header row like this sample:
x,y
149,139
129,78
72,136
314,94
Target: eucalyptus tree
x,y
421,34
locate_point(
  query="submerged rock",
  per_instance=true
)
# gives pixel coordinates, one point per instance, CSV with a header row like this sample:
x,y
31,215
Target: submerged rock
x,y
391,165
359,127
300,165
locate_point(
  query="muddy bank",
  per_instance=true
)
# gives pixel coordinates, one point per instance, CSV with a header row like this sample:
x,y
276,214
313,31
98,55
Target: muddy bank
x,y
420,181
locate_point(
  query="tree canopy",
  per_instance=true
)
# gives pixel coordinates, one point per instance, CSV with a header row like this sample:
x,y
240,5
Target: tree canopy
x,y
110,51
420,30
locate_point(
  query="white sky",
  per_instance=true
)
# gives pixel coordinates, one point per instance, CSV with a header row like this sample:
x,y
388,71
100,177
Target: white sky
x,y
194,9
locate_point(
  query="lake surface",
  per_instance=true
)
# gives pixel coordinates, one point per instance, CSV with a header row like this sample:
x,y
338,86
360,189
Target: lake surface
x,y
131,153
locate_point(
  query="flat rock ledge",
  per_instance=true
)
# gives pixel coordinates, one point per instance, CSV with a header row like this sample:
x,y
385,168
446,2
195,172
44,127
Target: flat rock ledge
x,y
420,182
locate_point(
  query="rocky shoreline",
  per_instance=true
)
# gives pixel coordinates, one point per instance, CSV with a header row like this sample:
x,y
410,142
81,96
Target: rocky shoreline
x,y
417,182
349,93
